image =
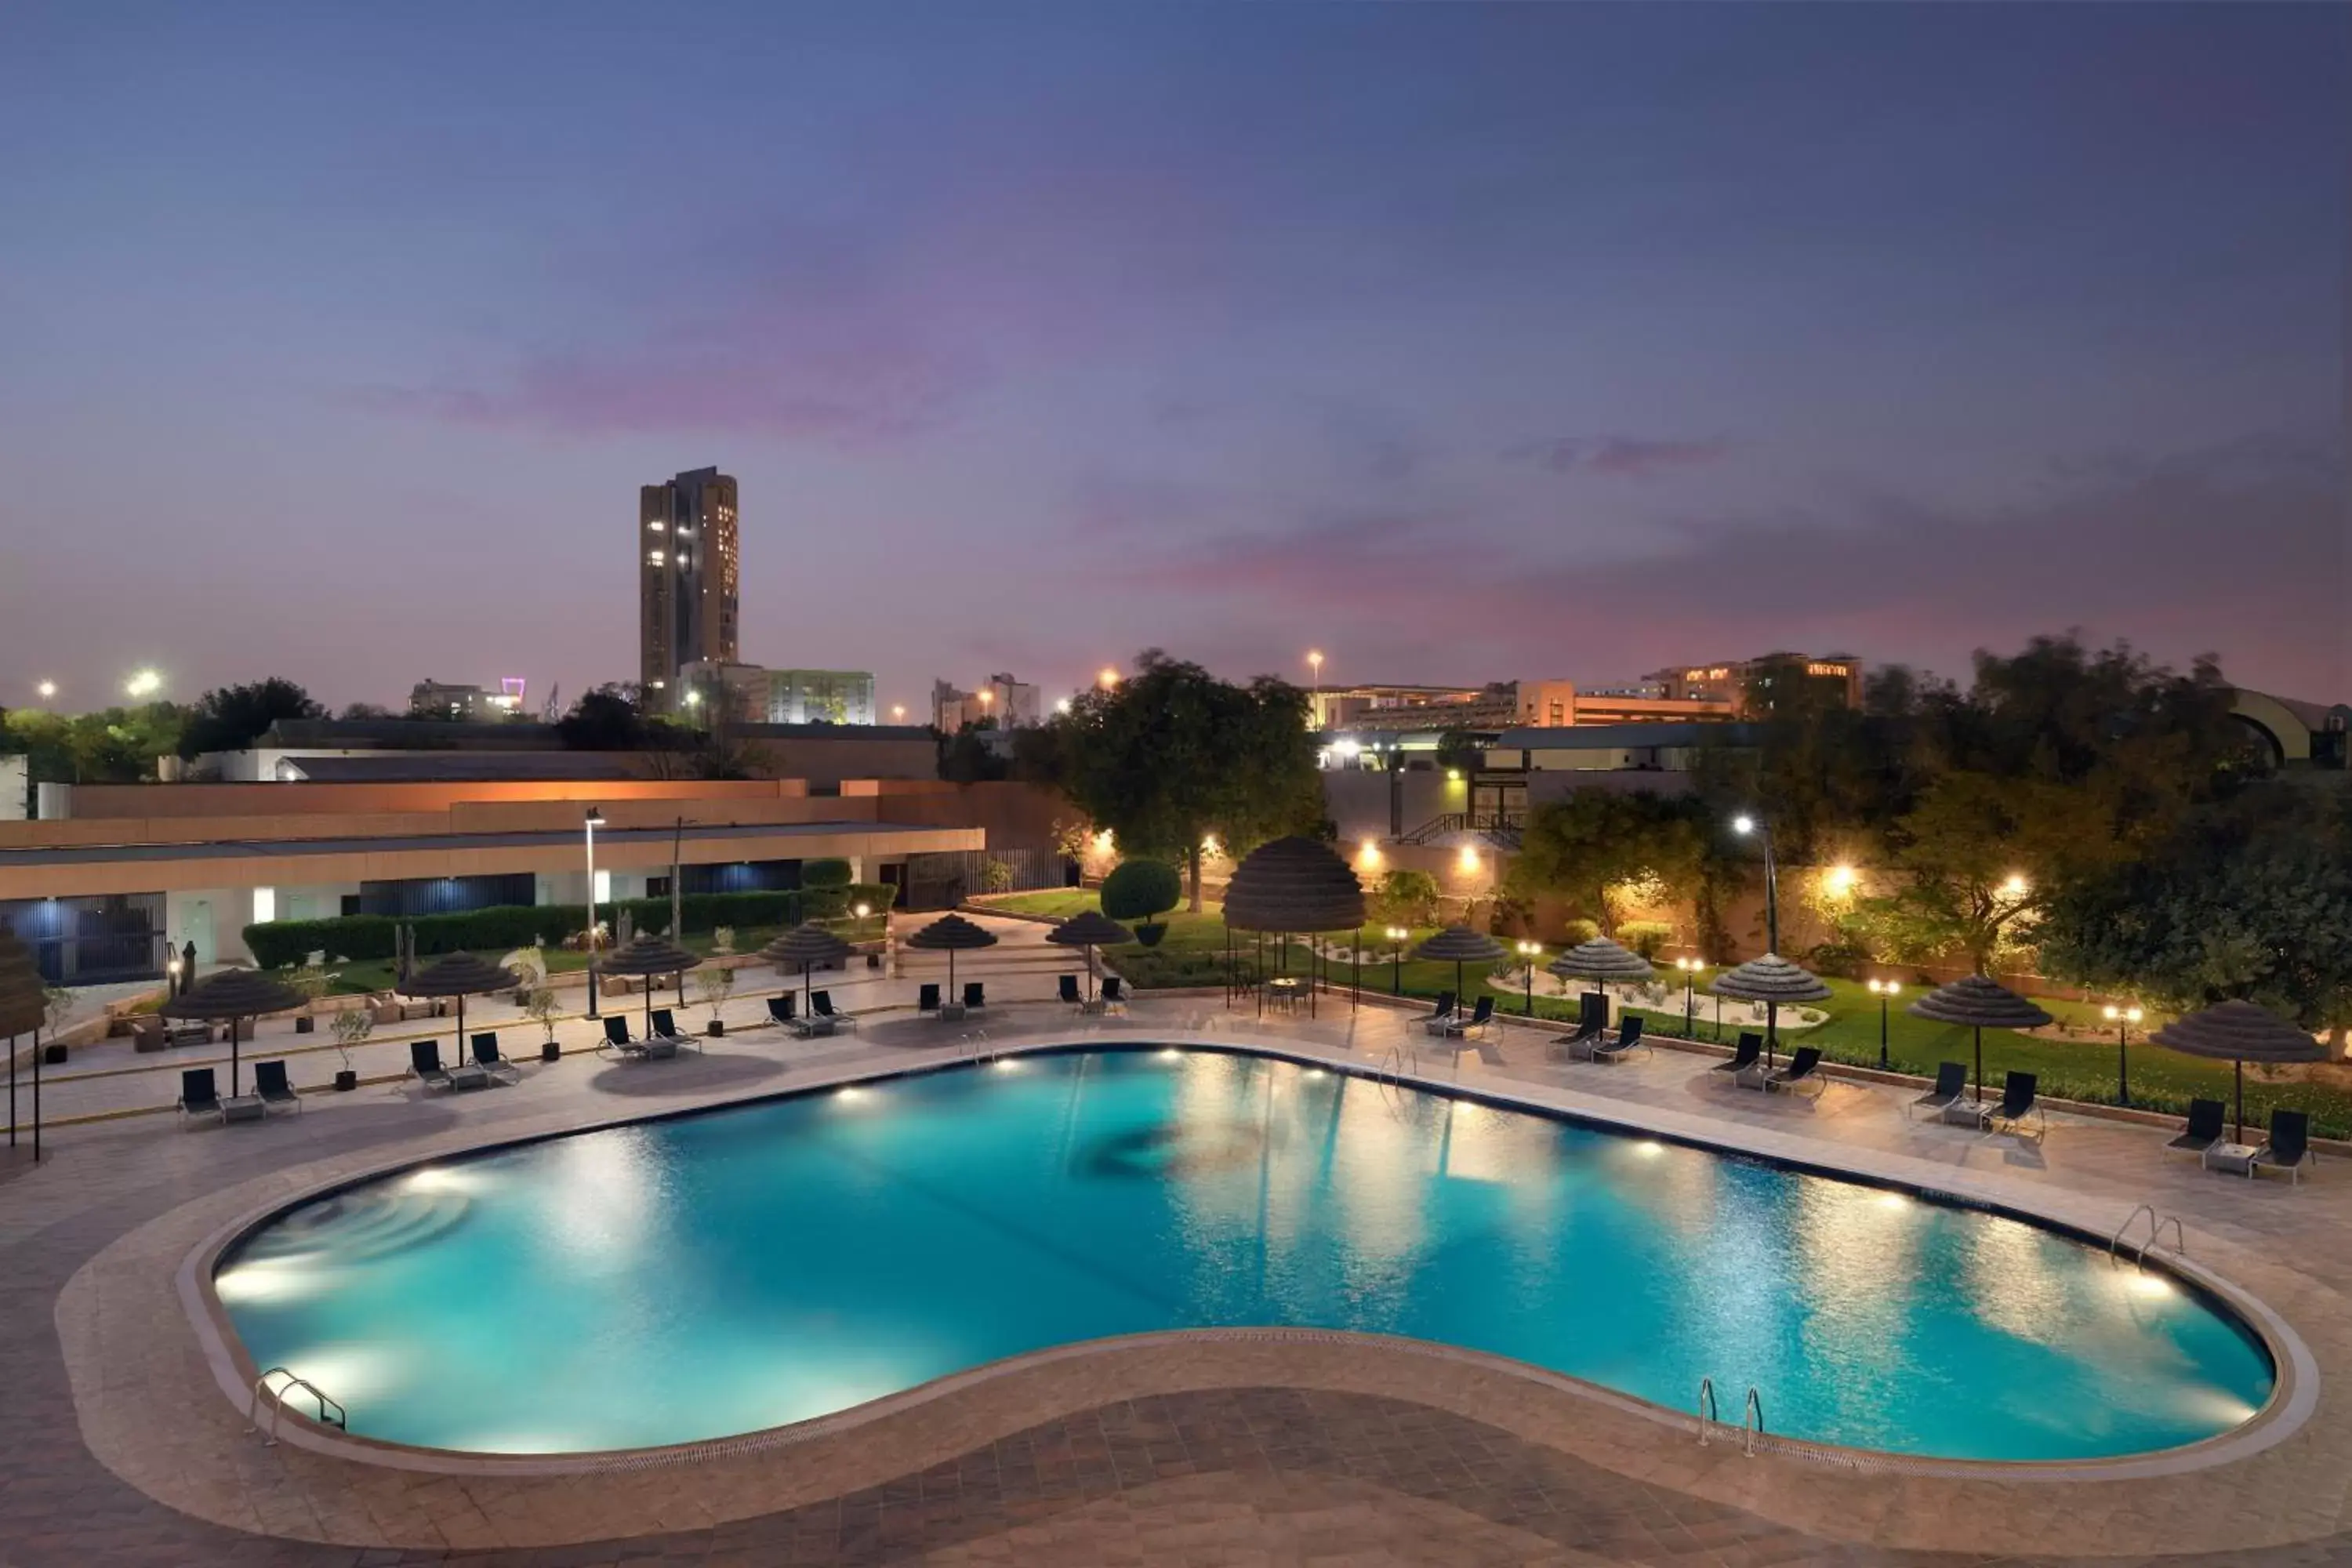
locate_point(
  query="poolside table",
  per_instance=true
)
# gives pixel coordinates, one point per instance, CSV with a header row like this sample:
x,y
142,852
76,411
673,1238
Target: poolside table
x,y
468,1075
2237,1159
243,1108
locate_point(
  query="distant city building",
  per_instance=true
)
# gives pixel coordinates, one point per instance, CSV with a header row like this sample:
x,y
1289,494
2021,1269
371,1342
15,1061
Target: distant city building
x,y
759,694
1758,688
1012,704
1506,705
688,572
450,699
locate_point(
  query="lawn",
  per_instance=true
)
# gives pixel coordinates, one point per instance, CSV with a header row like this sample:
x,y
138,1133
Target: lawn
x,y
359,976
1194,953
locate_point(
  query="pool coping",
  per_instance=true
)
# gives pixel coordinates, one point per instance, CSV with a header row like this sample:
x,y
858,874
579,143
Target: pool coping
x,y
2293,1395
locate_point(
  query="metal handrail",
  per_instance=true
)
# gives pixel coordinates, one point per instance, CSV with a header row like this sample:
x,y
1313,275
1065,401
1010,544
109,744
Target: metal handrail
x,y
972,1045
2156,1225
330,1414
2116,1241
1709,1416
1747,1435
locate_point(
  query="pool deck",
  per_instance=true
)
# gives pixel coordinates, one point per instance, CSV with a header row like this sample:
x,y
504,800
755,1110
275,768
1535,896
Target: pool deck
x,y
1243,1447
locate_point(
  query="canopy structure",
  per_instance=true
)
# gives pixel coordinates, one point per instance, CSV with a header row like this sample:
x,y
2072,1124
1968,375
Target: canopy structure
x,y
805,947
645,957
1981,1005
1775,982
1601,960
1089,929
231,994
2240,1032
459,975
23,1005
951,935
1458,944
1293,887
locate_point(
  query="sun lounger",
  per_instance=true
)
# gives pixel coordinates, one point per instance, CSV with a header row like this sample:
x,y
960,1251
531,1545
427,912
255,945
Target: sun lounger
x,y
2207,1120
1481,1017
2288,1148
975,996
1441,1017
1951,1083
821,1008
487,1057
424,1064
779,1009
269,1082
199,1095
927,996
2019,1111
1803,1075
1067,992
1629,1040
1747,1058
665,1028
1113,991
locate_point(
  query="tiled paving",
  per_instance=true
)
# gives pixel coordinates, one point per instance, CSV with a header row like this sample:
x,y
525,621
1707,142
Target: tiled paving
x,y
1224,1455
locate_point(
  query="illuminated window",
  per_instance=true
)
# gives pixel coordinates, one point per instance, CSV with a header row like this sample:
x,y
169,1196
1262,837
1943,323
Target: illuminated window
x,y
265,905
603,887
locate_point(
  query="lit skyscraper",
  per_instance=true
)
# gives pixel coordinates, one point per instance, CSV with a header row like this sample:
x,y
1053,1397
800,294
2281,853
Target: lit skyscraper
x,y
689,567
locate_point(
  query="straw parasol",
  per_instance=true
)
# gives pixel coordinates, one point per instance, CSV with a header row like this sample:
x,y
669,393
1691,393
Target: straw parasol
x,y
23,1007
232,994
459,975
2240,1032
1289,887
951,935
805,947
1773,981
1981,1005
1600,960
1089,930
642,957
1461,945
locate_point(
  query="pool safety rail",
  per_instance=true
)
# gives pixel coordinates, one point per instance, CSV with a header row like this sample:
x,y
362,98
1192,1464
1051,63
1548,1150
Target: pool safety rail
x,y
1751,1416
329,1412
2157,1225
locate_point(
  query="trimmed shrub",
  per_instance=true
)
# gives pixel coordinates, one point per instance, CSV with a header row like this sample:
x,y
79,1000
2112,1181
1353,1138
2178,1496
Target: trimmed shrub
x,y
825,873
1645,937
1138,890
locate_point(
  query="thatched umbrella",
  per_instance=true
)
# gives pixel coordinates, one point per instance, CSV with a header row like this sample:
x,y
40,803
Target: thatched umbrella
x,y
2240,1032
645,956
1462,945
232,994
459,975
1771,979
1293,887
951,935
1089,930
24,1007
1602,960
1981,1005
805,947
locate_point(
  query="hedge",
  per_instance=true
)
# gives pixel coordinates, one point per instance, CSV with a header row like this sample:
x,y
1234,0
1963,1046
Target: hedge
x,y
1138,890
278,944
827,872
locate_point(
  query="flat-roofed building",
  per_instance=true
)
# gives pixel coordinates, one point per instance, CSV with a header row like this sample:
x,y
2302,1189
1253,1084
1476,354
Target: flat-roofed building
x,y
1759,688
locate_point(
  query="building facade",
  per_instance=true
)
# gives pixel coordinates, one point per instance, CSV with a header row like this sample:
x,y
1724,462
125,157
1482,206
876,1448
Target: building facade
x,y
1760,687
1011,704
689,566
431,698
755,694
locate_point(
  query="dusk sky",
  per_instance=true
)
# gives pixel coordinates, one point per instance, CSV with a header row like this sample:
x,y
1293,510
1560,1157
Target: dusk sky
x,y
1465,343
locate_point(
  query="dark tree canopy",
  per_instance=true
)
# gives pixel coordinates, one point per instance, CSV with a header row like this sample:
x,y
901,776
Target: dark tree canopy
x,y
1139,889
1587,844
607,719
231,718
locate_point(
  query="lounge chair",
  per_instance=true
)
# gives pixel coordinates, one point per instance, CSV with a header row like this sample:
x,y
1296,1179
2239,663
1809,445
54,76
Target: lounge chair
x,y
1629,1040
821,1006
665,1026
779,1009
1441,1016
1747,1058
424,1064
2207,1120
1481,1017
199,1095
2288,1148
1803,1075
269,1083
1067,991
1113,991
617,1036
975,996
1951,1083
487,1057
2019,1111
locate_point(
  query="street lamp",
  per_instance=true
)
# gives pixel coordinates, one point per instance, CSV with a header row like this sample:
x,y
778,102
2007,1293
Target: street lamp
x,y
1528,952
898,711
1396,935
1690,968
591,823
1107,677
1886,991
2123,1018
48,690
1315,663
1745,825
144,683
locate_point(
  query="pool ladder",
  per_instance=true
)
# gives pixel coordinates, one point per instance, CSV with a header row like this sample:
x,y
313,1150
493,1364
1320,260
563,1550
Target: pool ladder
x,y
329,1412
1751,1417
2157,1225
976,1047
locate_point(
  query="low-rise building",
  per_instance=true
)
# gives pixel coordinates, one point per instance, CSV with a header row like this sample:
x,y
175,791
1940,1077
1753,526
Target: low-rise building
x,y
448,699
1760,687
1000,702
757,694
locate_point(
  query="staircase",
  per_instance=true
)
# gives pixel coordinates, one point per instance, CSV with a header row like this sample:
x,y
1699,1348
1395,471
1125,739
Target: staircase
x,y
1502,829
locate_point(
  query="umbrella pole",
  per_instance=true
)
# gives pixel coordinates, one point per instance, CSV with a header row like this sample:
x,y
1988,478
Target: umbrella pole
x,y
1979,1034
37,1095
1090,971
2237,1067
1257,974
234,1054
12,1091
1771,1033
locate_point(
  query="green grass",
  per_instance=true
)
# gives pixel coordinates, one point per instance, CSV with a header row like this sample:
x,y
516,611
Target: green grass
x,y
1194,953
359,976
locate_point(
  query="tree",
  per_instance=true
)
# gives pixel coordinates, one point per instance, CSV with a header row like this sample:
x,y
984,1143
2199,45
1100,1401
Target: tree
x,y
1458,751
1140,889
1592,843
1173,755
231,718
1406,898
113,745
2251,899
609,718
966,758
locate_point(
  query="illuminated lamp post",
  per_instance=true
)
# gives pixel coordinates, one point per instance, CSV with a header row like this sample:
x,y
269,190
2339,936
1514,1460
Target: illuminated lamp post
x,y
2123,1018
1886,991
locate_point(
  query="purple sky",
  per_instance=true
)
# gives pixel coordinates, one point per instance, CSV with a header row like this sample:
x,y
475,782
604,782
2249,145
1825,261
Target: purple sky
x,y
1461,342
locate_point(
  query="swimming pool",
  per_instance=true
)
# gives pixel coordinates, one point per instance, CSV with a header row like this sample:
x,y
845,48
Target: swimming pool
x,y
741,1268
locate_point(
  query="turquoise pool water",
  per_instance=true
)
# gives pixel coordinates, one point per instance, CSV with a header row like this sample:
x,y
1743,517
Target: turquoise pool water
x,y
718,1274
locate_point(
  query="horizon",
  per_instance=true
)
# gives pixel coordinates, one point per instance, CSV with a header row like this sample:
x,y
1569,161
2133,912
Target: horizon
x,y
1464,346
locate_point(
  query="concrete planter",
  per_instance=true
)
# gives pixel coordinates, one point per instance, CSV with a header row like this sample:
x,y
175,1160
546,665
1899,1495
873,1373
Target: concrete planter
x,y
305,1025
549,1051
346,1081
715,1028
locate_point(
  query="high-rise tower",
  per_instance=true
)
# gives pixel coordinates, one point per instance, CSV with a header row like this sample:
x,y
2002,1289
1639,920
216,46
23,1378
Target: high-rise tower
x,y
688,567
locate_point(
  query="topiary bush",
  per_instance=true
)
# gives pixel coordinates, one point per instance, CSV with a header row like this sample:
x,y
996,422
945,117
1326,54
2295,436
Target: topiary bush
x,y
1645,937
825,873
1139,890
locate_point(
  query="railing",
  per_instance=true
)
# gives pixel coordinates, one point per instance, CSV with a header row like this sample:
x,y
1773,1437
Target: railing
x,y
329,1412
1503,828
1748,1433
2156,1224
974,1047
1751,1417
1709,1417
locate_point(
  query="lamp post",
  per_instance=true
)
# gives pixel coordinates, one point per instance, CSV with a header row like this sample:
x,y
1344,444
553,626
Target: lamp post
x,y
172,972
1396,935
1528,952
1745,825
1690,968
48,690
1886,991
2123,1018
1315,664
591,823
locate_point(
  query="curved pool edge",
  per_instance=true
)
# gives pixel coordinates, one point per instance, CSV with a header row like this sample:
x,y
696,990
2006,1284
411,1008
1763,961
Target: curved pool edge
x,y
2293,1395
